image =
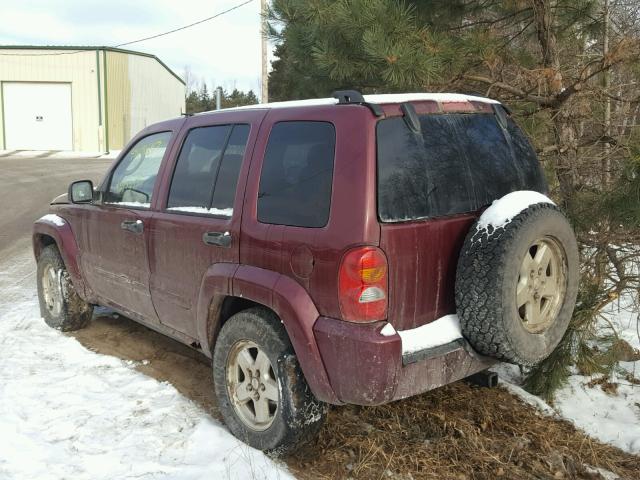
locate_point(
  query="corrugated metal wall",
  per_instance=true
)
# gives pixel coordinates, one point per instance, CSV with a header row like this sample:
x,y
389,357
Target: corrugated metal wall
x,y
118,99
80,69
139,91
155,94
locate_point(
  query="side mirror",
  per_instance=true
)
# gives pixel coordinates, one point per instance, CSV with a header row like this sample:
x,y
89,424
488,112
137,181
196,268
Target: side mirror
x,y
81,191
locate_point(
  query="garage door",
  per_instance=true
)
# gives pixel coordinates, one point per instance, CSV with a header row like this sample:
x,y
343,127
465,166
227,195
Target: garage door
x,y
37,116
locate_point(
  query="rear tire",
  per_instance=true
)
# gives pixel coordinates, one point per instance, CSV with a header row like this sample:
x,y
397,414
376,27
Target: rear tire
x,y
261,390
516,285
60,305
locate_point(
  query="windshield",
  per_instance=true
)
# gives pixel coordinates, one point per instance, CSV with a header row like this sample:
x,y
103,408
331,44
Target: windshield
x,y
457,163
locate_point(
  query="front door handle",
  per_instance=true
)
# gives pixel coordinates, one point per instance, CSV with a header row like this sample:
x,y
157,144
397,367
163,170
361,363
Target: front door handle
x,y
221,239
135,226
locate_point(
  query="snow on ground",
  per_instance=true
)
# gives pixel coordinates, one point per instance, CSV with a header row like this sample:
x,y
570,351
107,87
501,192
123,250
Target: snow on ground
x,y
611,418
66,412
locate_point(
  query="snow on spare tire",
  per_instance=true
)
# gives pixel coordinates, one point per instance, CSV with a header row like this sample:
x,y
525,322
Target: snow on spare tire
x,y
517,279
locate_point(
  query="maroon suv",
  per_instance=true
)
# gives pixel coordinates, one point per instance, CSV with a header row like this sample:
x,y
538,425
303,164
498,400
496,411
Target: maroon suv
x,y
321,252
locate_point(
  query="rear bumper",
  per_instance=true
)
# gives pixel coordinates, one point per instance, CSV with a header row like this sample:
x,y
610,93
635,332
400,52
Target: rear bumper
x,y
367,368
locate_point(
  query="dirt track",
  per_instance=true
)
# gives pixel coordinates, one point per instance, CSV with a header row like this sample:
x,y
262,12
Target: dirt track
x,y
454,432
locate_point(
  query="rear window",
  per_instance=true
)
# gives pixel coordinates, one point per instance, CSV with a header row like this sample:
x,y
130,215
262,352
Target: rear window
x,y
457,163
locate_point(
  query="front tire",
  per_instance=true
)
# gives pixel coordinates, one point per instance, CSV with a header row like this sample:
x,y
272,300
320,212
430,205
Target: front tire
x,y
261,390
60,305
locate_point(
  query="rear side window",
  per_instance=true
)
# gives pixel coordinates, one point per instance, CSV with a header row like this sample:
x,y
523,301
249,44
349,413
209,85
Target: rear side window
x,y
457,163
206,173
297,172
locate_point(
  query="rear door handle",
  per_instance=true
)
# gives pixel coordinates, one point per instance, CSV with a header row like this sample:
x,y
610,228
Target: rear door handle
x,y
135,226
221,239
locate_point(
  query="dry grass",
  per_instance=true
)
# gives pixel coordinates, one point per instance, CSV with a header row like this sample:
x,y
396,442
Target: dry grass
x,y
456,432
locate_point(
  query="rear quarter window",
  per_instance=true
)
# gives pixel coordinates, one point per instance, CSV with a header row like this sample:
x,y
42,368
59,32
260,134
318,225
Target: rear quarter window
x,y
297,173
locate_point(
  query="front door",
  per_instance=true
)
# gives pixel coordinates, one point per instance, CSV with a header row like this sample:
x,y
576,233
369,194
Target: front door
x,y
114,253
199,223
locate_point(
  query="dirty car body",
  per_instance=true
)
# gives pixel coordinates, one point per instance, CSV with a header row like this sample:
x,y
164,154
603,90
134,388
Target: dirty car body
x,y
180,251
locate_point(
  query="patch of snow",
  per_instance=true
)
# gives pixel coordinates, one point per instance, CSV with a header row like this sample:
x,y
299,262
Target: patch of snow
x,y
111,154
29,153
605,474
611,418
67,412
74,154
226,212
439,332
388,330
510,379
53,218
504,209
131,204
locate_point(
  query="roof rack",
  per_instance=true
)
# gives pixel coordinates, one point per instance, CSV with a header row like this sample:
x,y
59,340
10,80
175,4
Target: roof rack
x,y
354,97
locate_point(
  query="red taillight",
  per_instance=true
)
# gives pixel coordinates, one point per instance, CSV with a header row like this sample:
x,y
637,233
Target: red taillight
x,y
362,285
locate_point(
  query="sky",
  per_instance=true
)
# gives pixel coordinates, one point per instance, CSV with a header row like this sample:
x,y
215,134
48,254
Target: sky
x,y
224,51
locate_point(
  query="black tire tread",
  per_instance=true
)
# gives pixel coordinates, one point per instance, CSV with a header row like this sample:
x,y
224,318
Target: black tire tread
x,y
301,415
480,270
76,313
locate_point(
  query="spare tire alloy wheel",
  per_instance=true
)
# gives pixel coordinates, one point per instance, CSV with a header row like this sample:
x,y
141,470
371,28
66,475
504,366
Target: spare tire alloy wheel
x,y
517,284
252,385
542,284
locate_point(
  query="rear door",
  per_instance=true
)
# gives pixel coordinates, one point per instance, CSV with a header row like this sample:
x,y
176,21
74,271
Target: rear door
x,y
114,251
198,222
431,186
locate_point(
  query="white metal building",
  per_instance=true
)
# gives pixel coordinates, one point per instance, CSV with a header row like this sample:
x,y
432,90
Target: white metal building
x,y
82,98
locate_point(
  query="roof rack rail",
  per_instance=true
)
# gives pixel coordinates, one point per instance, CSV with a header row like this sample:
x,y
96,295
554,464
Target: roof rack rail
x,y
354,97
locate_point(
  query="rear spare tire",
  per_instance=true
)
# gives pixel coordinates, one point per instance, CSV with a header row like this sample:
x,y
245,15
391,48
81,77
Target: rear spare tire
x,y
517,279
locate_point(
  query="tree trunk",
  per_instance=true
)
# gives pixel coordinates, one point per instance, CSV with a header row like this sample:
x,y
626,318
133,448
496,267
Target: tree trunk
x,y
606,160
564,124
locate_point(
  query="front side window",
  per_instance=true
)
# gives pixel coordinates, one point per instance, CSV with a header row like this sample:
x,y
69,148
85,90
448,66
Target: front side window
x,y
457,163
133,179
297,172
206,173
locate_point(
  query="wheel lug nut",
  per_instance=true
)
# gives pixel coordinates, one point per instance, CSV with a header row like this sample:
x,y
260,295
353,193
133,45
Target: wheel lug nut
x,y
249,387
262,387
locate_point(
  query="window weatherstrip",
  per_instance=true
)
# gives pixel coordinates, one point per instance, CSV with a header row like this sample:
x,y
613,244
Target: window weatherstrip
x,y
222,153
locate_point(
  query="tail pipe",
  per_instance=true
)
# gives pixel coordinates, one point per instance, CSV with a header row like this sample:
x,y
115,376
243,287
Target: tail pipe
x,y
485,378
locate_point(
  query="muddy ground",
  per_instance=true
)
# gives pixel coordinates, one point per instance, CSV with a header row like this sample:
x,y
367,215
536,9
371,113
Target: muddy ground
x,y
457,432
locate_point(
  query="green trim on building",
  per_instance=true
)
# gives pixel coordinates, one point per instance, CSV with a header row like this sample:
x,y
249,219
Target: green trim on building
x,y
4,133
88,48
106,102
99,87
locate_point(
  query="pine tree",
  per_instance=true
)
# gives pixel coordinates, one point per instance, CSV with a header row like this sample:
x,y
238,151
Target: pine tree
x,y
543,58
204,99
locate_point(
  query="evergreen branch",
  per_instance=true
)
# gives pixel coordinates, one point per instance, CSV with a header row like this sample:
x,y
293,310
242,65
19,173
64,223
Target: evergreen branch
x,y
490,22
544,101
